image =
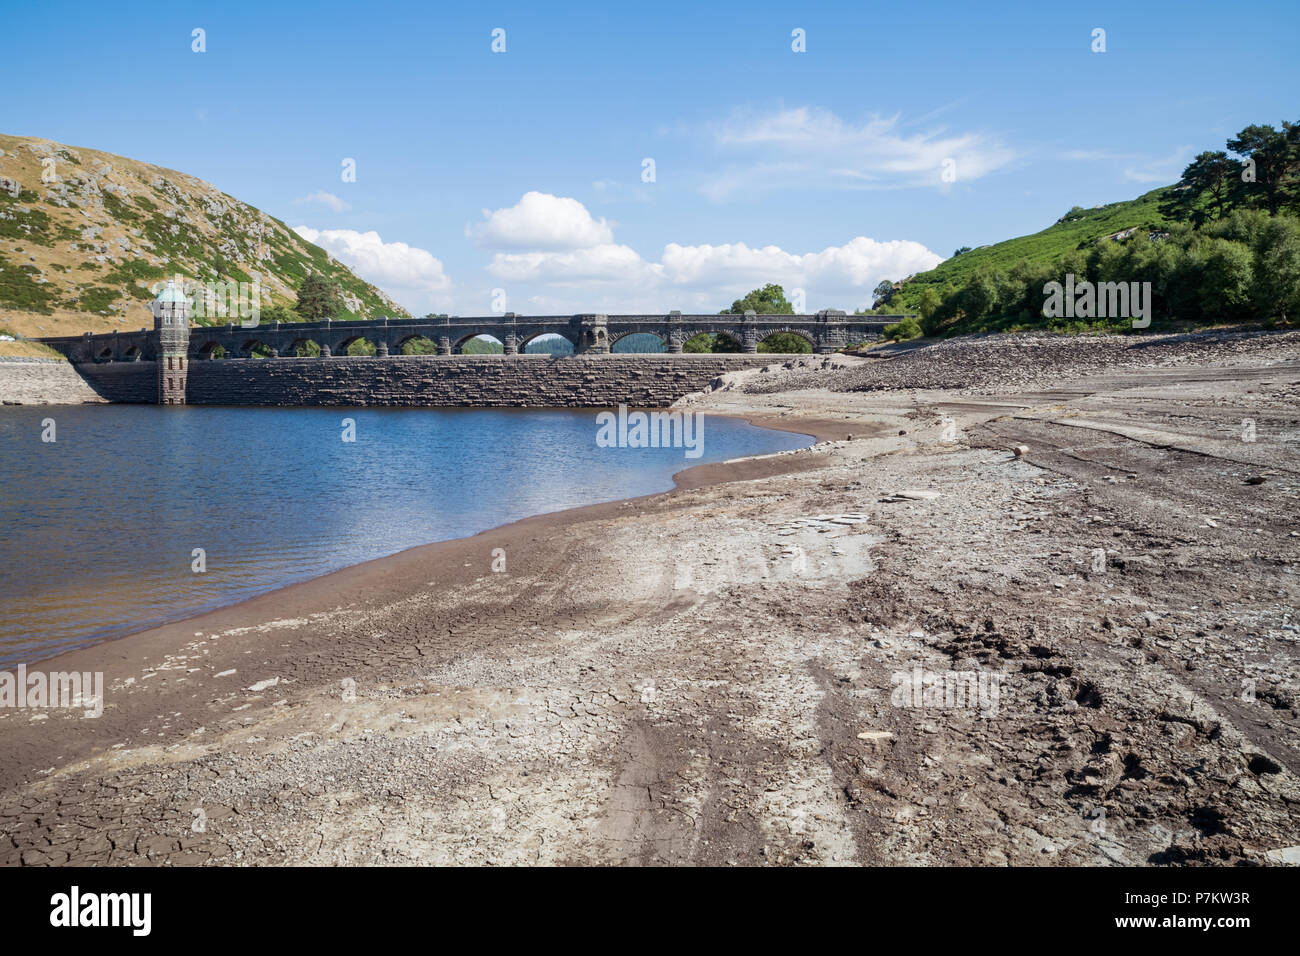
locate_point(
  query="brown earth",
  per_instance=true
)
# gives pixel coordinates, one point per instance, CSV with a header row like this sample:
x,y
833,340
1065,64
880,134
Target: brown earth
x,y
710,675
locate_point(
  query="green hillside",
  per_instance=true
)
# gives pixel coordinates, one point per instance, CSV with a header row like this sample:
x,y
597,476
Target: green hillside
x,y
1077,229
1219,247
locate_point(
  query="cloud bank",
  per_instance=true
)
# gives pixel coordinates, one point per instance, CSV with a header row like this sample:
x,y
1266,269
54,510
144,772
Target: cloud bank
x,y
541,221
605,274
412,276
806,147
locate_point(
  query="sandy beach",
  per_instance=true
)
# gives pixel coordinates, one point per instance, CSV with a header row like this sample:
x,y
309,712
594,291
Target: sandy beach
x,y
712,675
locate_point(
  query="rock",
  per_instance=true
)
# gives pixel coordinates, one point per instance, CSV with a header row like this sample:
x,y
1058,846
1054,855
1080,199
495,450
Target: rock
x,y
1287,855
1255,480
912,494
1020,451
885,734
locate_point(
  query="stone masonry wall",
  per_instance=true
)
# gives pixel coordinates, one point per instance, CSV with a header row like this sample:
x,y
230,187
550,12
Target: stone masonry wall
x,y
511,381
539,381
135,382
43,382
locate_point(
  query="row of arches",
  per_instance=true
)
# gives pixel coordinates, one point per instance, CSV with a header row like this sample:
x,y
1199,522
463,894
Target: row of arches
x,y
132,353
541,343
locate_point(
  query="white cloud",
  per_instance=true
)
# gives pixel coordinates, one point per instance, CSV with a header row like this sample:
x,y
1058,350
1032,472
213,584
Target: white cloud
x,y
324,199
608,276
1139,167
541,221
412,276
607,262
705,277
857,266
612,191
1161,169
808,147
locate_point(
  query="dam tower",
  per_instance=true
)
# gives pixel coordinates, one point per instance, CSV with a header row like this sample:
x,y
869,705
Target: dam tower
x,y
171,323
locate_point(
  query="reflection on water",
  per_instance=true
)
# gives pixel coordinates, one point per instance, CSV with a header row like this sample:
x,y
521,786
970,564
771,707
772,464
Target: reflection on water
x,y
99,527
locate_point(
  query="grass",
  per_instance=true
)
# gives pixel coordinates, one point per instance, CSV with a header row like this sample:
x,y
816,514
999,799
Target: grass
x,y
1078,229
29,350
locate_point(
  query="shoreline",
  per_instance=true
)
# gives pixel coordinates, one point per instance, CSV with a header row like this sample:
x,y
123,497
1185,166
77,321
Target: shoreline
x,y
694,476
704,674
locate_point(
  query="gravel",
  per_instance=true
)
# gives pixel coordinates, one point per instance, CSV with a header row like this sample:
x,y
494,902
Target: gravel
x,y
1003,363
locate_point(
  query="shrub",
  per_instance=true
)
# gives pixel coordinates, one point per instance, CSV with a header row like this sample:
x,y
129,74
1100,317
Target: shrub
x,y
909,328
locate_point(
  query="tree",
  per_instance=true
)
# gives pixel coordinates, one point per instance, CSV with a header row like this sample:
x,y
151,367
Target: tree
x,y
769,300
1277,269
1292,132
785,342
930,301
1273,156
1225,281
964,249
883,292
318,298
711,342
903,330
1207,179
978,296
276,312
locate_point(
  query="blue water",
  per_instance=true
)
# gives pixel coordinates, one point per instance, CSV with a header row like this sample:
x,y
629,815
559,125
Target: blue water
x,y
99,526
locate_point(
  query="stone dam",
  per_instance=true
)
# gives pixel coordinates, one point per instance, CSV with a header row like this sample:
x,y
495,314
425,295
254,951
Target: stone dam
x,y
247,364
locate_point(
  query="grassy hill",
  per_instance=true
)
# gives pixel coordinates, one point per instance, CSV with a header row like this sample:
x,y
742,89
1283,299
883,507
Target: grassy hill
x,y
1077,229
79,254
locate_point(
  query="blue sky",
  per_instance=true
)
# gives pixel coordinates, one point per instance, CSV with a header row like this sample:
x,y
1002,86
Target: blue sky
x,y
522,171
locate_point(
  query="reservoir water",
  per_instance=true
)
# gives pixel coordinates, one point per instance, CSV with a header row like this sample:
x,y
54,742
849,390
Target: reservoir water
x,y
100,526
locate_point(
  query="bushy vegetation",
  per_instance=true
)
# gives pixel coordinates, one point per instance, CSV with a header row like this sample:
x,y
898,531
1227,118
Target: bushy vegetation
x,y
19,221
769,300
19,290
1222,245
785,342
96,298
901,331
1245,266
118,209
318,298
420,345
482,345
711,342
552,345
